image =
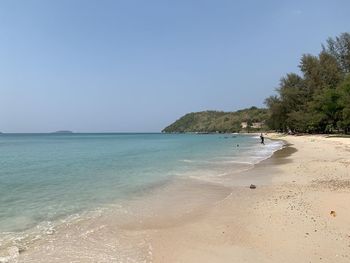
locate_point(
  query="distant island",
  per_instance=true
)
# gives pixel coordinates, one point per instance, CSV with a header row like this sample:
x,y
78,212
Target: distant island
x,y
252,119
63,132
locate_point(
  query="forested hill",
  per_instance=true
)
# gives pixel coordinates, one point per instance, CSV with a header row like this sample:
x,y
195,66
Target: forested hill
x,y
213,121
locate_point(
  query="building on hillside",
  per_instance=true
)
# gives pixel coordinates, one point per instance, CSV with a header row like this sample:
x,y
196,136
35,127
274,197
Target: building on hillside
x,y
255,125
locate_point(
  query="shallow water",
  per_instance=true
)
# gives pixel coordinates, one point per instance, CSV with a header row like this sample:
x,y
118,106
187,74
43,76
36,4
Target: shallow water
x,y
50,179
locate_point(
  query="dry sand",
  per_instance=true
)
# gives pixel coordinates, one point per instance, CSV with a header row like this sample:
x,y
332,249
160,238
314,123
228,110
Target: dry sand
x,y
287,218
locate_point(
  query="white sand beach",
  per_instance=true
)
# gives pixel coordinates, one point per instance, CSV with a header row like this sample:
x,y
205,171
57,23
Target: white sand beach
x,y
287,218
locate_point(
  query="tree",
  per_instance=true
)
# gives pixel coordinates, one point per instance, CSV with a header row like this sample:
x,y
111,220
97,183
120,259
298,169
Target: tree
x,y
330,71
277,114
319,99
310,67
339,48
344,101
328,109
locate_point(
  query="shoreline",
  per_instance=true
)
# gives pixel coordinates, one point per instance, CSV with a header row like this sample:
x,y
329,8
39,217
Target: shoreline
x,y
286,220
283,220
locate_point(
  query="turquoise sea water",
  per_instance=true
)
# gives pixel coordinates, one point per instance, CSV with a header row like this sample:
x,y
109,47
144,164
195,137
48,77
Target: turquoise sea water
x,y
44,177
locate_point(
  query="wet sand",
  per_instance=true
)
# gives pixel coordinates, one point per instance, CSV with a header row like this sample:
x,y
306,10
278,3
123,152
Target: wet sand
x,y
287,218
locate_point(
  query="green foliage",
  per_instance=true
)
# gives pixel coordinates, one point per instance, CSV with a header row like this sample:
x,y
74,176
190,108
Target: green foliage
x,y
339,48
218,121
276,120
344,102
319,100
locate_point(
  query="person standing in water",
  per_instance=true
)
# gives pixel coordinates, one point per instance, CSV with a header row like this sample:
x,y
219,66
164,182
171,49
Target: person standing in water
x,y
262,138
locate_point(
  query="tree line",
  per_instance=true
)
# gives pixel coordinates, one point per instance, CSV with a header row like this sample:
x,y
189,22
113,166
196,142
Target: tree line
x,y
318,99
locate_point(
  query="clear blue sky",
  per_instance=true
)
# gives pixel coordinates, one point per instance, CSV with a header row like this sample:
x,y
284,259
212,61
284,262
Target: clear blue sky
x,y
139,65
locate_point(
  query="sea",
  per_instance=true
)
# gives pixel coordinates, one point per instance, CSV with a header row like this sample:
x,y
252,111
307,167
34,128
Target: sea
x,y
48,179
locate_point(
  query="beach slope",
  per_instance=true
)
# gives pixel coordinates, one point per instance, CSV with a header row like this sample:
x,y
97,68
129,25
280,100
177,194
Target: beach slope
x,y
300,212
